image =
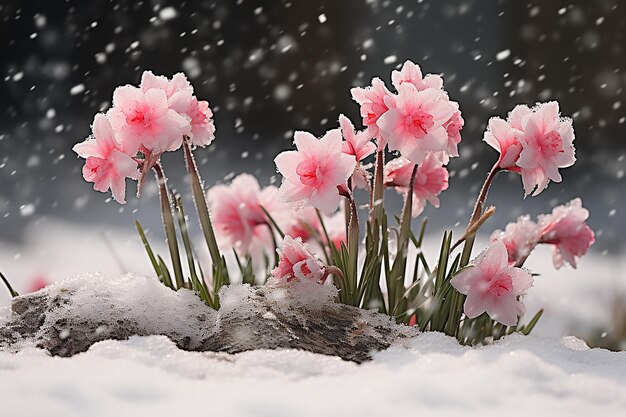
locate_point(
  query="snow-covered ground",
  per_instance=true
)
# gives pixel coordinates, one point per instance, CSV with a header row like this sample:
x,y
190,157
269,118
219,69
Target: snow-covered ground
x,y
149,376
546,373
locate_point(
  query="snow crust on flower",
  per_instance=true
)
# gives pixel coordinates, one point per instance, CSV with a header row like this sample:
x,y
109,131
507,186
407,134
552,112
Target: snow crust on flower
x,y
296,261
567,230
238,218
312,173
547,145
519,238
106,165
492,286
431,178
143,119
412,73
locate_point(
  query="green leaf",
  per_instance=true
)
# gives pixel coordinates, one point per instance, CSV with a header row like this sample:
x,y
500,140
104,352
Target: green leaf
x,y
531,325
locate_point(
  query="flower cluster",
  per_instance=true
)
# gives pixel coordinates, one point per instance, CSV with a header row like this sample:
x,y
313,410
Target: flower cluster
x,y
534,142
143,123
303,232
565,229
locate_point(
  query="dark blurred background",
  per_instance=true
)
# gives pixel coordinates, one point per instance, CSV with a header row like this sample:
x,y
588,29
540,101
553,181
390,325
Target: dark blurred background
x,y
270,67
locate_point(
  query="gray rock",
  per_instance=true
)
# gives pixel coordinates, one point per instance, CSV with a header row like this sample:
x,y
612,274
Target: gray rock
x,y
67,318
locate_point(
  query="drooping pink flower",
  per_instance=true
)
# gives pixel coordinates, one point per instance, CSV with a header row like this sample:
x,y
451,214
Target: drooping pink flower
x,y
372,105
519,238
547,145
453,128
297,262
411,73
493,286
431,178
567,230
312,173
144,119
414,123
502,137
238,218
106,165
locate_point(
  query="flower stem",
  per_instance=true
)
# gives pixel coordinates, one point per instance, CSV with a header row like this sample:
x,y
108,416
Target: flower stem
x,y
168,224
201,205
376,198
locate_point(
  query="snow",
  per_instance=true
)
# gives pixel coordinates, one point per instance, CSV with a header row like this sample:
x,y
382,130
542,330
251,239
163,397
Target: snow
x,y
429,373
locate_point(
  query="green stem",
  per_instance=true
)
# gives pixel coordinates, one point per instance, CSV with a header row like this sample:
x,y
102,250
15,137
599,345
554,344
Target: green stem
x,y
168,224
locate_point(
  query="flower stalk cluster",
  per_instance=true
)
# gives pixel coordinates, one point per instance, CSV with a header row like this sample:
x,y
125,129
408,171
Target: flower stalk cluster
x,y
311,228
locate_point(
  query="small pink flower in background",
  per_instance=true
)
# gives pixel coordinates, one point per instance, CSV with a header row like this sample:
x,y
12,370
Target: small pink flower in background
x,y
336,229
106,165
238,218
431,178
373,105
312,173
566,229
547,145
143,119
37,283
414,124
411,73
519,238
297,223
297,262
502,137
493,286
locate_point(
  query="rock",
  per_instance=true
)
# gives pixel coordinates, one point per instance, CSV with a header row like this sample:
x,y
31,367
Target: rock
x,y
68,317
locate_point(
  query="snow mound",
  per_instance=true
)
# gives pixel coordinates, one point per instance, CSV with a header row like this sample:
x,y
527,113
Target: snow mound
x,y
430,373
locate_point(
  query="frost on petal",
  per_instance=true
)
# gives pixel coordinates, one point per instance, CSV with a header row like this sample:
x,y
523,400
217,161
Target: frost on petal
x,y
296,261
519,238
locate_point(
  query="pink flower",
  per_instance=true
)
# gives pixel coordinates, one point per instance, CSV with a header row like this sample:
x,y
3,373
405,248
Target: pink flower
x,y
414,123
297,262
412,74
566,229
37,283
312,174
431,178
519,238
373,105
547,145
106,165
336,229
238,218
502,137
144,119
357,144
493,286
297,223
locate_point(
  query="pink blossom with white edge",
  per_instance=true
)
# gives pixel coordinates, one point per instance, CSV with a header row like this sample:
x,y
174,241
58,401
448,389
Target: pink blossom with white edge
x,y
567,230
178,84
519,238
143,119
411,73
431,178
372,105
502,137
297,262
106,165
359,145
237,216
494,287
453,128
547,145
312,173
302,223
414,123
